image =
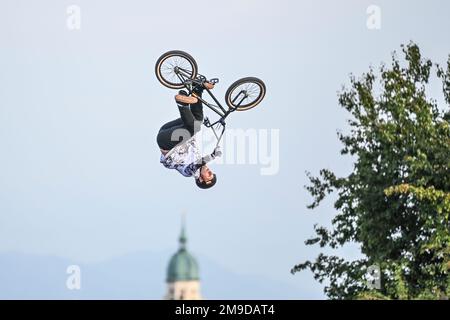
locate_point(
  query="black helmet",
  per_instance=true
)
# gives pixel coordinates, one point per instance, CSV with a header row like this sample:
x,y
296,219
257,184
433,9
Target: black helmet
x,y
204,185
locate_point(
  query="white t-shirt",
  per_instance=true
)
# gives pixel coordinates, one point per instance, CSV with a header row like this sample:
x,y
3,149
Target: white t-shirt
x,y
185,158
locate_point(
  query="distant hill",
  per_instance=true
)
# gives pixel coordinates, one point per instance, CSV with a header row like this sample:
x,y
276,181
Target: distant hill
x,y
134,276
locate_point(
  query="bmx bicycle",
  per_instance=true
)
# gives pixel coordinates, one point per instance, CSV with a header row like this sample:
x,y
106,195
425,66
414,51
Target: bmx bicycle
x,y
177,69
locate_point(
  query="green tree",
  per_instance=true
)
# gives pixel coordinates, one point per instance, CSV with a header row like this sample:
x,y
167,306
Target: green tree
x,y
395,204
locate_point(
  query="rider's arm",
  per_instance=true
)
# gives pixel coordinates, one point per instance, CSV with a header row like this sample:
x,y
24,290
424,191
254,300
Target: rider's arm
x,y
191,168
209,157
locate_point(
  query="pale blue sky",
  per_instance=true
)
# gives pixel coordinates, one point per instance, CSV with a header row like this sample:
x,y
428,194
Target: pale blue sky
x,y
79,111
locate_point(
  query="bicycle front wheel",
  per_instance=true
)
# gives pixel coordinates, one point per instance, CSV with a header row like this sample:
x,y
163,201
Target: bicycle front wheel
x,y
245,93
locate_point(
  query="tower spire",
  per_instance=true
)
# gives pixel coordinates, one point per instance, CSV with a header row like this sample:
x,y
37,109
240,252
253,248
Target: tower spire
x,y
183,281
183,238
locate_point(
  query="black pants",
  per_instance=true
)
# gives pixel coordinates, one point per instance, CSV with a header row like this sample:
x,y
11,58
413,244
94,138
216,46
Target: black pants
x,y
183,128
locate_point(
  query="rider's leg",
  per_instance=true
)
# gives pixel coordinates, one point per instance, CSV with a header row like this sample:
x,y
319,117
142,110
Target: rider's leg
x,y
192,115
166,138
173,123
187,117
197,108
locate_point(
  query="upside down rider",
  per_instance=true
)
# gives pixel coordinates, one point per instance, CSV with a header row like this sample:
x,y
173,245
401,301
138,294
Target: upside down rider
x,y
177,140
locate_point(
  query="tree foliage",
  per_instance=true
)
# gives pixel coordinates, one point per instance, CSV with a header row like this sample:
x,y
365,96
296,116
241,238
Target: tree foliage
x,y
396,202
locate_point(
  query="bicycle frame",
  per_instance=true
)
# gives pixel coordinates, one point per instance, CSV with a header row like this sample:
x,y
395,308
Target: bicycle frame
x,y
188,83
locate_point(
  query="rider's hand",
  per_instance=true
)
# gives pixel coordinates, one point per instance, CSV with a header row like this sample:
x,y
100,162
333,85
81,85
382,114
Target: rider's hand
x,y
217,152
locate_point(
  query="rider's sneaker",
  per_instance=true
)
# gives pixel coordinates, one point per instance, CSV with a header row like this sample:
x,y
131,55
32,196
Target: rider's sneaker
x,y
183,98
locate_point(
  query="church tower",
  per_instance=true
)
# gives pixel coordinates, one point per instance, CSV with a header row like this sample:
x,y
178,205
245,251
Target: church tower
x,y
183,282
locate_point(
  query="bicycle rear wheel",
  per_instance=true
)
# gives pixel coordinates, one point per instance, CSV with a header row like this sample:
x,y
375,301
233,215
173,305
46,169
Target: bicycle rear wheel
x,y
175,67
245,93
